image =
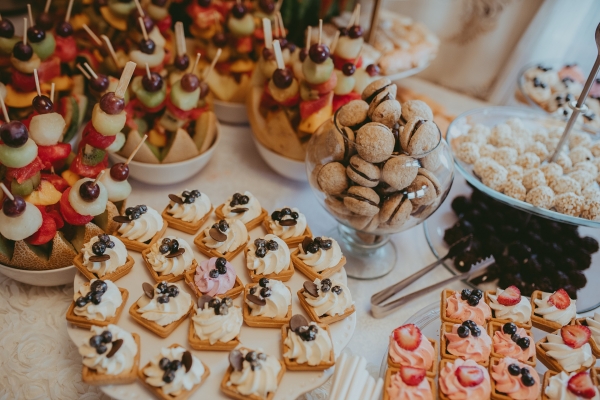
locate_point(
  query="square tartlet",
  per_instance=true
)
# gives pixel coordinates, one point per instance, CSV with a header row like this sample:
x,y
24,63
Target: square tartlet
x,y
310,273
254,223
234,292
322,319
293,241
447,293
538,321
594,372
431,372
495,326
207,251
135,245
495,395
82,322
198,344
294,366
447,327
158,330
550,362
169,277
283,276
392,371
91,377
595,345
443,363
500,320
259,321
111,276
183,226
230,391
158,392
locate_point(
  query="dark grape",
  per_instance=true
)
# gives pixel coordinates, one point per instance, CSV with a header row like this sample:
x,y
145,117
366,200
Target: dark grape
x,y
111,104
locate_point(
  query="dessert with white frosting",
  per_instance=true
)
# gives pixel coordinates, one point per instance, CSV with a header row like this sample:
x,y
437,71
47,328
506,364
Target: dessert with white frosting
x,y
326,300
188,210
169,257
573,386
225,238
103,256
267,304
252,373
242,207
593,323
320,257
509,305
551,311
98,302
289,224
140,227
216,324
270,257
306,346
567,349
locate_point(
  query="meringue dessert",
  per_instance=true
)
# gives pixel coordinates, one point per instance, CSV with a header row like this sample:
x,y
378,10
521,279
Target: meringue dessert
x,y
103,255
551,311
226,238
242,207
326,300
169,257
468,341
573,386
466,305
463,379
188,210
567,349
252,373
140,227
509,340
409,347
98,302
269,257
267,304
289,224
408,383
306,345
320,257
215,322
215,276
514,379
509,305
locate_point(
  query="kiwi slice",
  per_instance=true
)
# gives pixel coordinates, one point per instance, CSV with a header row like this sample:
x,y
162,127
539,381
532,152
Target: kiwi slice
x,y
71,118
45,48
27,186
92,156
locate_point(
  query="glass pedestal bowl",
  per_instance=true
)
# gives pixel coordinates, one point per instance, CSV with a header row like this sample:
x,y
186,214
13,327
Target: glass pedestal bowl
x,y
364,232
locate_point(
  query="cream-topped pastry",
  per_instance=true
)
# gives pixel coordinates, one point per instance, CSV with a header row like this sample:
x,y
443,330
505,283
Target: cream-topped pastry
x,y
469,341
465,379
191,206
570,348
214,276
468,305
95,254
409,383
516,380
270,255
217,320
109,350
242,207
171,255
307,342
144,223
329,297
504,307
559,389
594,324
97,300
175,370
287,223
556,307
226,235
408,346
168,304
254,373
320,253
520,347
270,298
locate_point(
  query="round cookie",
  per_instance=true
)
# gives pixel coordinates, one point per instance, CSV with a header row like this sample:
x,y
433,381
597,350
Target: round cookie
x,y
415,109
395,211
399,171
339,143
332,178
336,207
362,201
374,142
358,222
419,136
384,109
376,87
362,172
424,189
353,113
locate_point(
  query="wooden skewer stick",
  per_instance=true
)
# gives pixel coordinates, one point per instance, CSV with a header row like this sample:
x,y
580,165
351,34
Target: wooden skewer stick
x,y
148,72
69,9
320,31
37,82
278,55
111,50
7,192
98,177
196,63
25,31
283,33
278,5
276,28
52,170
4,112
212,64
47,7
308,38
94,37
30,15
91,71
334,41
52,87
125,79
180,39
83,71
143,26
268,34
139,8
136,149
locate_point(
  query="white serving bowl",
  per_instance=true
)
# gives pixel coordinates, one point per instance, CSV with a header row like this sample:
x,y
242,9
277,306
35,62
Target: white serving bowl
x,y
52,277
230,113
286,167
168,174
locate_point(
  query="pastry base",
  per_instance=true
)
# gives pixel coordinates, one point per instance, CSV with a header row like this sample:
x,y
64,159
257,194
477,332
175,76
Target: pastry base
x,y
158,392
168,277
234,292
229,390
253,223
495,395
388,380
495,326
322,319
550,362
549,374
283,276
431,372
82,322
198,344
500,320
207,251
111,276
309,272
538,321
293,241
134,245
294,366
188,227
441,395
595,345
447,327
91,377
263,322
158,330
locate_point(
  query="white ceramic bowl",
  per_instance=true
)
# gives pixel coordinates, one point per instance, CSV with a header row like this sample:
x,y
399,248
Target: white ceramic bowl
x,y
286,167
230,113
53,277
168,174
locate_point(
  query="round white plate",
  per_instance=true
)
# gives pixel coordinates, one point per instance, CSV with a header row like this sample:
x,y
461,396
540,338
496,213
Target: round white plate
x,y
51,277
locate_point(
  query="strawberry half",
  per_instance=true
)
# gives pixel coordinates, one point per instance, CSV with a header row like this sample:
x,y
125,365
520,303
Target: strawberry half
x,y
575,336
408,337
412,376
560,299
469,376
510,297
581,385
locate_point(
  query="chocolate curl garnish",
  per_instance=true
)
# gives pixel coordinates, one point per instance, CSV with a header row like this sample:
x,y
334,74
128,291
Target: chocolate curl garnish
x,y
121,219
116,345
236,360
307,241
148,290
217,235
103,257
179,252
203,300
187,360
311,288
255,299
176,199
297,321
288,222
239,210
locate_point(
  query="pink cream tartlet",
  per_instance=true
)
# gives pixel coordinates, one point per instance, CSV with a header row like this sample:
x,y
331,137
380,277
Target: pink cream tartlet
x,y
214,283
457,308
515,385
402,351
401,388
476,348
505,346
464,379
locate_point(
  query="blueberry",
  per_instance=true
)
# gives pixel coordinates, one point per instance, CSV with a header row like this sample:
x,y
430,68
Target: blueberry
x,y
325,288
263,282
524,342
251,356
473,300
294,215
272,245
110,244
162,286
260,242
135,215
313,247
185,193
326,244
228,301
260,252
101,349
525,371
222,270
163,299
276,216
174,245
143,209
223,226
81,302
236,196
527,380
220,262
265,292
175,365
317,240
98,248
514,370
476,332
104,238
173,291
515,338
164,248
262,356
253,290
166,241
313,328
99,286
164,363
214,303
88,297
213,273
222,309
244,199
286,211
465,294
107,337
196,193
96,340
326,281
509,328
168,376
336,289
96,298
469,324
129,211
463,331
477,293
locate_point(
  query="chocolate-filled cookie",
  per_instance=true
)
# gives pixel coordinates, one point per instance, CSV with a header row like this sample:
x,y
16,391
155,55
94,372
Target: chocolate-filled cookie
x,y
395,211
374,142
362,200
419,136
332,178
376,87
363,172
414,109
399,171
424,190
353,113
385,108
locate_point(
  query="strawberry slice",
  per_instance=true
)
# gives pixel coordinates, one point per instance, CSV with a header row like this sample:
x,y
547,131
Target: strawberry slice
x,y
69,214
581,385
408,336
46,232
412,376
66,48
510,297
51,154
560,299
469,376
26,172
95,139
575,336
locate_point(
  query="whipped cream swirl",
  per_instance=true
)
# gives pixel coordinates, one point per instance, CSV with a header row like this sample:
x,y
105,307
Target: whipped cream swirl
x,y
322,259
277,303
174,265
551,313
558,389
398,390
273,262
121,361
214,286
594,325
253,206
570,359
259,381
190,212
109,302
520,313
329,303
311,352
217,328
237,235
164,313
144,228
288,232
184,380
118,257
